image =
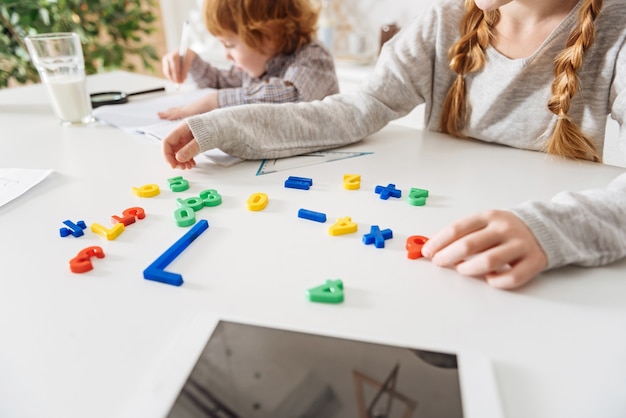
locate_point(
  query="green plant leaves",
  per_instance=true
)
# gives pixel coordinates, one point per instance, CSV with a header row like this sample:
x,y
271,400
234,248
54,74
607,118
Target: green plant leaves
x,y
112,33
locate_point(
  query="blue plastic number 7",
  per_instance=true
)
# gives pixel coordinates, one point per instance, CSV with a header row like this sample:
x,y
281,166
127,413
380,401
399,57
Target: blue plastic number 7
x,y
156,272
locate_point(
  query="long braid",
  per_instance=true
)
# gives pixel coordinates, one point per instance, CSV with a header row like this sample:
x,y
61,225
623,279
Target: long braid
x,y
467,55
568,139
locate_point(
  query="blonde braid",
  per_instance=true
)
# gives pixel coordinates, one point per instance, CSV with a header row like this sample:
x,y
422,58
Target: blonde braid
x,y
467,55
568,139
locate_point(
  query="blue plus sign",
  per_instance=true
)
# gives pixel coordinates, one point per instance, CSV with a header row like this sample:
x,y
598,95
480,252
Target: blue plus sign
x,y
75,229
377,236
385,192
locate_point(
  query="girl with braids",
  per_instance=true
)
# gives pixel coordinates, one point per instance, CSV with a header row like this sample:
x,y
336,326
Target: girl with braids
x,y
533,74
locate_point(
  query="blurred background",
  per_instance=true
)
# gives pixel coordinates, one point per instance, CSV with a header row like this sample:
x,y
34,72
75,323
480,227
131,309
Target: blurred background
x,y
133,34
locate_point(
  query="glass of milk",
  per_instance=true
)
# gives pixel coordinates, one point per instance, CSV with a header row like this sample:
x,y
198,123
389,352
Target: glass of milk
x,y
59,60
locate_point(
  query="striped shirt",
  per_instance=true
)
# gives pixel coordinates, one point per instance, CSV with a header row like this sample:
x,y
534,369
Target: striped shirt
x,y
303,76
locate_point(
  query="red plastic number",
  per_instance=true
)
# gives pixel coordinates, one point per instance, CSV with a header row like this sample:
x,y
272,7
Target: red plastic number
x,y
82,262
414,246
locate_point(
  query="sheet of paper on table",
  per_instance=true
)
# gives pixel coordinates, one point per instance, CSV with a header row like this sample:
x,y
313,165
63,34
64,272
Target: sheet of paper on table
x,y
141,117
14,182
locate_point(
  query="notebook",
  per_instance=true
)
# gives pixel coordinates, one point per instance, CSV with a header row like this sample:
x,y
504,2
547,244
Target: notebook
x,y
141,118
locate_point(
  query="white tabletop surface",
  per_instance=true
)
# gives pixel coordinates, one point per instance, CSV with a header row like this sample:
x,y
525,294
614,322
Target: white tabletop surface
x,y
78,345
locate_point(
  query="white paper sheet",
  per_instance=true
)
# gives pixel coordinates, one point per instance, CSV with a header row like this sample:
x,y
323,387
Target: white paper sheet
x,y
14,182
141,118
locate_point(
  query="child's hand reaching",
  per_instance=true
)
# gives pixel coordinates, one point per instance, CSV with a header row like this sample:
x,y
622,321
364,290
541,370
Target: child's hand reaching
x,y
496,245
179,147
203,105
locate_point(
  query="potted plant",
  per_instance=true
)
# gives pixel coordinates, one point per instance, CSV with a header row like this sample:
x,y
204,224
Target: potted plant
x,y
112,33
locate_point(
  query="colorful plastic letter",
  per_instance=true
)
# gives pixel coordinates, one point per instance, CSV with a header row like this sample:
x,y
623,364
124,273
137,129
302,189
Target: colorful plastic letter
x,y
110,234
377,236
302,183
343,226
330,292
75,229
148,190
257,201
388,191
178,184
311,215
306,180
156,272
417,197
211,198
351,181
82,262
129,216
185,216
194,203
414,245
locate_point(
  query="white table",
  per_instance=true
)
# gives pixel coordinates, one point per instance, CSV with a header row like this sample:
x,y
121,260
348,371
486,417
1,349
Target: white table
x,y
76,345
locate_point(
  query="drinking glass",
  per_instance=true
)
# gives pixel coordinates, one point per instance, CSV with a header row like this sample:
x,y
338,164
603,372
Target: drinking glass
x,y
59,60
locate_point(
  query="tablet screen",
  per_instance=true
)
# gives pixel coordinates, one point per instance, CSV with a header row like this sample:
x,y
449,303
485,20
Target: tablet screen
x,y
249,371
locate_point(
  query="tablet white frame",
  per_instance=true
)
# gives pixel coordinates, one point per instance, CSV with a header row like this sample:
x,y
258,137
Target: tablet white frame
x,y
479,390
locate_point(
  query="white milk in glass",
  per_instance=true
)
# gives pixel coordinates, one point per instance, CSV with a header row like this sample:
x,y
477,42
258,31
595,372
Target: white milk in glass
x,y
59,61
69,98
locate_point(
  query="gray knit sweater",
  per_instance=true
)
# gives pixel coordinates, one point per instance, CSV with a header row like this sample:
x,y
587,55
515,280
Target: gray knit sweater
x,y
507,102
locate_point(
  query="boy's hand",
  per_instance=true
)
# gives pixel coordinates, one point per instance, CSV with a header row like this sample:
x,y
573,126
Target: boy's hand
x,y
179,147
171,65
202,105
176,113
495,245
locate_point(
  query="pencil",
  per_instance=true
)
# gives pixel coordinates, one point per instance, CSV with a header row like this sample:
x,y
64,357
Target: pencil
x,y
182,50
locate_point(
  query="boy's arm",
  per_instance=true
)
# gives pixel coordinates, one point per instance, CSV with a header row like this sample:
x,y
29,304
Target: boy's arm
x,y
202,105
310,75
205,75
313,73
276,90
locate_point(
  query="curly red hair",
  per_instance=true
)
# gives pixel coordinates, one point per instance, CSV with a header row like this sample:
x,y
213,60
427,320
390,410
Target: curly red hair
x,y
288,24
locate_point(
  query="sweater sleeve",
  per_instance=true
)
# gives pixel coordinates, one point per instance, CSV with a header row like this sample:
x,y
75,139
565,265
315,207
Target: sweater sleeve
x,y
586,228
401,80
618,96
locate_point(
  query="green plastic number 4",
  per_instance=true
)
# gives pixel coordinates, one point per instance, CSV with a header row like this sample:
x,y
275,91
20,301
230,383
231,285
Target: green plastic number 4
x,y
330,292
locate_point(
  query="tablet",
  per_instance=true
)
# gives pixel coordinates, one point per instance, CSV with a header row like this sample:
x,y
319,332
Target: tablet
x,y
248,370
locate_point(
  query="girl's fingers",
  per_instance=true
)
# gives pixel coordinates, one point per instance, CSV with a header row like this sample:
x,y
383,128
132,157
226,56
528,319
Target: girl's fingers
x,y
186,153
174,142
519,274
497,258
474,238
452,233
496,245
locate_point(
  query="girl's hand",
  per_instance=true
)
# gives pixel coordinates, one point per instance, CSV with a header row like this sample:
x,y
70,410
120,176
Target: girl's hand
x,y
179,147
172,68
495,245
